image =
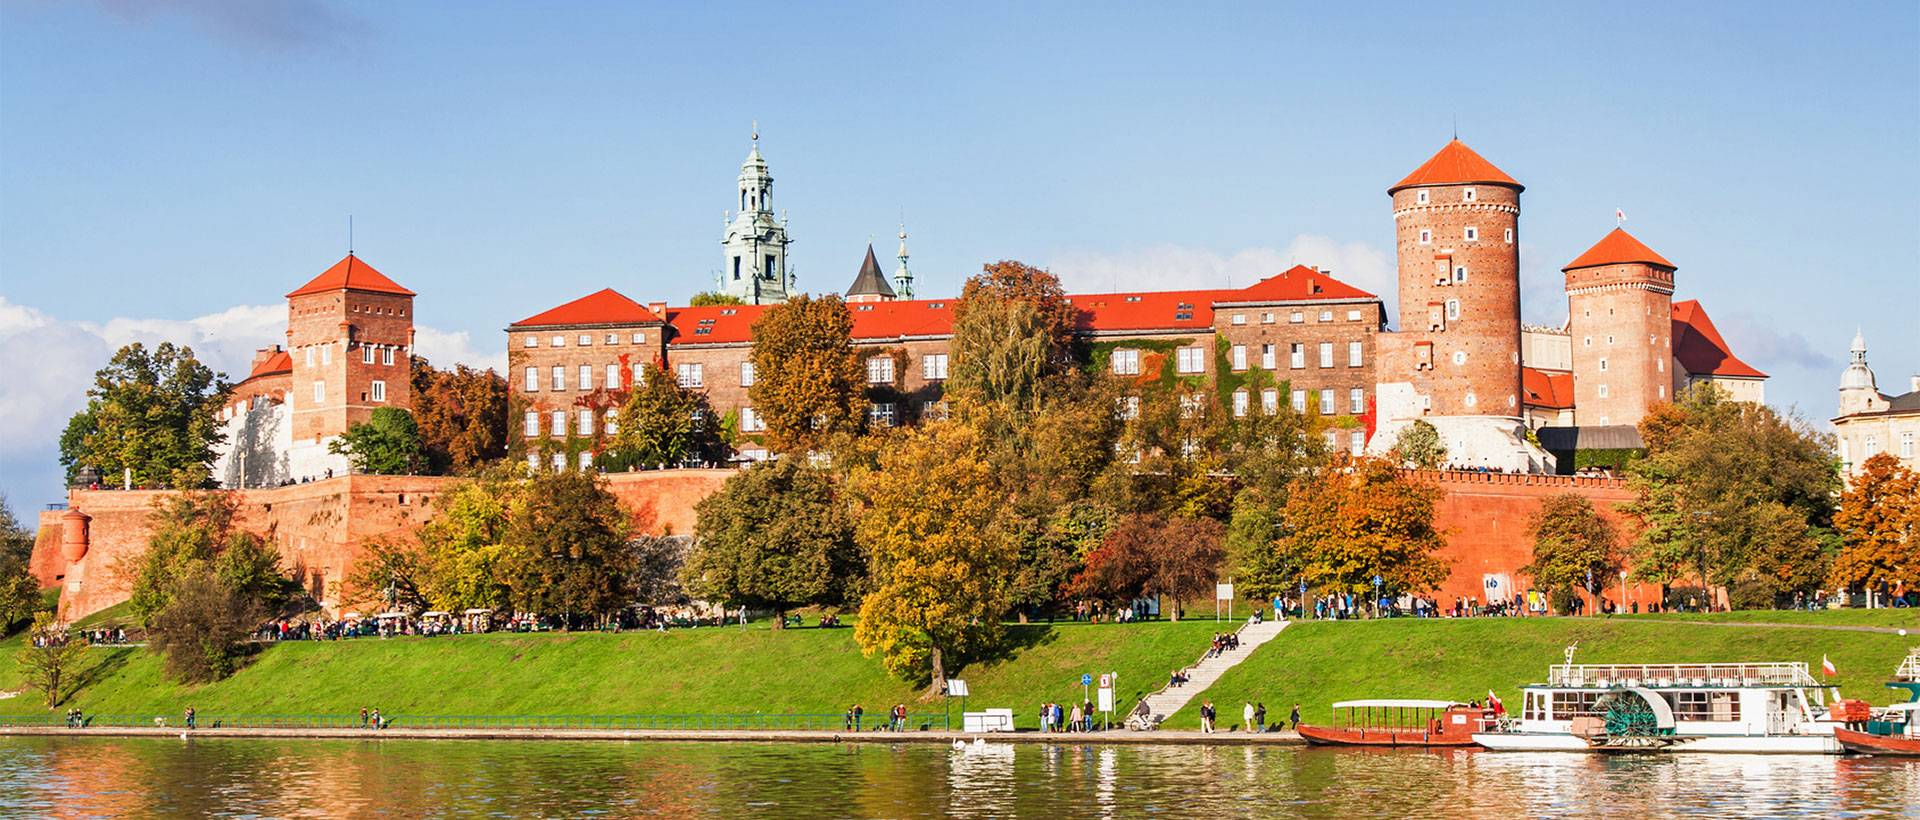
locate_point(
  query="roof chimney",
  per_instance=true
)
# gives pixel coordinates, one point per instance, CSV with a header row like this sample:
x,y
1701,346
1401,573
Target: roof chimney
x,y
658,309
1914,383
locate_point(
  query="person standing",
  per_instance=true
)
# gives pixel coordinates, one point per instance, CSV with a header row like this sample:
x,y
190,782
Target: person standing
x,y
1295,717
1246,716
363,717
189,717
1206,717
1086,708
1260,717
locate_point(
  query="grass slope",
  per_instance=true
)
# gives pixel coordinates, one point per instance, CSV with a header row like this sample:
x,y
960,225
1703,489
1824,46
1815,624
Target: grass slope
x,y
1904,618
700,671
1317,663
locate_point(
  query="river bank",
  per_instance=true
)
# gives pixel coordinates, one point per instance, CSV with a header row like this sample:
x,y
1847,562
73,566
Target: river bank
x,y
946,738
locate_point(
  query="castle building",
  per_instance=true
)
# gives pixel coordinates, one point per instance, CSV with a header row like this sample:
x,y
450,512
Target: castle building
x,y
754,246
1869,422
348,352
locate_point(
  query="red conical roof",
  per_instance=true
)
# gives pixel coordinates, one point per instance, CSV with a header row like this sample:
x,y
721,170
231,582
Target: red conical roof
x,y
1619,248
1456,164
351,274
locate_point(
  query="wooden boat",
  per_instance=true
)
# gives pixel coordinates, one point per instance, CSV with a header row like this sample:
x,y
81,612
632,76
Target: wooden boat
x,y
1894,730
1400,722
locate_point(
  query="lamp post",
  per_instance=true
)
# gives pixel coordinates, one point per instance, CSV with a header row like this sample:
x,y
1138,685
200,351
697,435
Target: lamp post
x,y
1700,546
1623,591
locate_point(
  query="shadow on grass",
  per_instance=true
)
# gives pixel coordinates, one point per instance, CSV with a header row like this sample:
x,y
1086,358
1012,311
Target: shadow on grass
x,y
109,665
1020,638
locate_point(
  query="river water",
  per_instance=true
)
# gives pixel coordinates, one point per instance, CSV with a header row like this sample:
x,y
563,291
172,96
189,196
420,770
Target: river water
x,y
47,777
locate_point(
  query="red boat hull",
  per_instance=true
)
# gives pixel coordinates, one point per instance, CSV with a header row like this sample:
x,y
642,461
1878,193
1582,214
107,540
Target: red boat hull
x,y
1863,743
1326,736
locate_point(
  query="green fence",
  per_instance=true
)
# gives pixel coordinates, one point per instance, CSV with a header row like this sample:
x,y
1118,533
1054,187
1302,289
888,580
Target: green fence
x,y
786,722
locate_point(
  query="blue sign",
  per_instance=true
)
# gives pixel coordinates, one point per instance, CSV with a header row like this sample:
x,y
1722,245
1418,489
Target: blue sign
x,y
1376,580
1086,680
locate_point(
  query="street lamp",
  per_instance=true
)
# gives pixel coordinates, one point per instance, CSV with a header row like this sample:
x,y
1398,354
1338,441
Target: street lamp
x,y
1700,546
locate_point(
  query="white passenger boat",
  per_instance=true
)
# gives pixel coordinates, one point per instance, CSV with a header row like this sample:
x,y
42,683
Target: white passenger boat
x,y
1689,707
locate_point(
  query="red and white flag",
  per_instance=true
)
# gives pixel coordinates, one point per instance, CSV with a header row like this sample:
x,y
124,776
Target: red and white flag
x,y
1826,667
1619,216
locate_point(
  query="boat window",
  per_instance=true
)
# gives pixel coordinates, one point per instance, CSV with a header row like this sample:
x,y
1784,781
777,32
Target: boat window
x,y
1716,706
1567,705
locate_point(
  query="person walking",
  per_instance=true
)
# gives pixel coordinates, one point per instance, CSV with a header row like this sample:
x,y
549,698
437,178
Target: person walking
x,y
1246,716
189,717
363,717
1078,721
1206,717
1259,717
1295,717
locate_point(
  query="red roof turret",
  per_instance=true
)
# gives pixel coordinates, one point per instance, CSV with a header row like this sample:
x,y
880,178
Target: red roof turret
x,y
1619,248
351,274
1456,164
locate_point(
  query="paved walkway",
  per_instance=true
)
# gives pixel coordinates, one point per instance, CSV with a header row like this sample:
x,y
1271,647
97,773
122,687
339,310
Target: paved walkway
x,y
1117,736
1204,672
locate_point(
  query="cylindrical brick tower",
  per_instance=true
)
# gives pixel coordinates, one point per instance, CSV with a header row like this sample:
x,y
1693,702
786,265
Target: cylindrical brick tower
x,y
1620,320
1457,225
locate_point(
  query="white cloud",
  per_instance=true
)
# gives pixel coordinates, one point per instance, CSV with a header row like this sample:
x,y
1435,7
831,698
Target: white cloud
x,y
1758,344
1173,267
444,349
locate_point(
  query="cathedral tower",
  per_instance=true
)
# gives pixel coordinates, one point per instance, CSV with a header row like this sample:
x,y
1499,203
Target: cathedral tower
x,y
1620,323
755,243
1456,221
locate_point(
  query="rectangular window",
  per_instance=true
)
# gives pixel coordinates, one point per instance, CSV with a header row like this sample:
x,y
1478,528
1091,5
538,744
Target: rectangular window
x,y
585,340
309,357
559,422
586,377
1126,362
1239,318
366,354
1299,401
533,461
613,422
1266,318
377,390
1603,365
613,377
533,380
880,414
1509,236
1453,310
1473,234
1297,355
880,370
639,338
1266,356
689,374
1126,408
386,355
1603,391
586,461
586,422
326,353
319,392
933,367
750,421
1270,401
530,340
532,423
1426,237
635,374
1353,354
1353,316
1192,360
1357,401
1357,441
613,338
1459,274
933,410
559,462
1326,402
746,374
1239,357
1190,405
1332,438
1326,316
558,341
1296,317
558,379
1326,354
1240,403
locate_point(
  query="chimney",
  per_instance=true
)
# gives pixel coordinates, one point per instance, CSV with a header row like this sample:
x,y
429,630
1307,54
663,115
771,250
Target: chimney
x,y
1914,382
658,309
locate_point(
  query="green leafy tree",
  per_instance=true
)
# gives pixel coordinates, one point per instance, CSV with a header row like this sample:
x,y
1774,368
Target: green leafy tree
x,y
48,660
1879,521
777,536
19,590
464,555
200,634
661,422
1154,555
150,416
1419,446
808,385
16,540
937,563
391,575
707,298
1574,546
387,443
568,539
202,584
1052,549
462,416
1002,353
188,532
1343,526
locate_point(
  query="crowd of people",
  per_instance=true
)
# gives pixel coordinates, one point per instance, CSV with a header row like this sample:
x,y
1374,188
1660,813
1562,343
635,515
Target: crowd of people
x,y
1056,718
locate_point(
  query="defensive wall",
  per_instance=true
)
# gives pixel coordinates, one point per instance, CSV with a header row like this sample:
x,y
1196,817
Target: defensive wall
x,y
321,527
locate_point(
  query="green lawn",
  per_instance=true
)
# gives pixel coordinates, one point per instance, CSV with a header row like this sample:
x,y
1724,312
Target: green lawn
x,y
701,671
1317,663
1905,618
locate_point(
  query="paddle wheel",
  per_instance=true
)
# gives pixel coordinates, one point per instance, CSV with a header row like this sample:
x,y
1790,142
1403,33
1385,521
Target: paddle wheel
x,y
1631,723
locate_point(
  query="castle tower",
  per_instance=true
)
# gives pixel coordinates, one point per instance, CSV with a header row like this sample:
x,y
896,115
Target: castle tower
x,y
903,278
1620,322
1858,391
755,244
869,285
350,336
1456,220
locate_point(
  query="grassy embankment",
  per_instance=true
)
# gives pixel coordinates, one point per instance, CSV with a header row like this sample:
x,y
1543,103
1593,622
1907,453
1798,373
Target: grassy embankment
x,y
1317,663
687,672
1904,618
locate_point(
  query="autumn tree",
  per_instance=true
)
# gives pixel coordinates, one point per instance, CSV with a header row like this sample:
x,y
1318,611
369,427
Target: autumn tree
x,y
462,416
49,657
707,298
777,536
1879,524
387,443
1734,490
149,415
568,547
19,590
1418,445
936,562
391,574
1010,281
1051,548
463,553
1153,555
1342,527
200,634
661,423
1574,546
807,383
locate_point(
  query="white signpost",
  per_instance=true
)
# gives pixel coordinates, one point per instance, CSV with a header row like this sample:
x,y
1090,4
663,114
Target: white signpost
x,y
1106,696
1223,592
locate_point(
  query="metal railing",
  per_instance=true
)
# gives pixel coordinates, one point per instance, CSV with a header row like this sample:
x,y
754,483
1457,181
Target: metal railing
x,y
756,722
1909,671
1677,674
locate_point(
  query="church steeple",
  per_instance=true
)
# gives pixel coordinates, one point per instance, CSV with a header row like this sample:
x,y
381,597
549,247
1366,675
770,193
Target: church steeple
x,y
903,278
755,256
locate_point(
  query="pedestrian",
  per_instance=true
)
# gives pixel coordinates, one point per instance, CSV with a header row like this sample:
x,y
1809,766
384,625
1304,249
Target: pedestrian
x,y
1260,717
1206,717
189,717
1078,722
363,717
1086,708
1246,716
1295,717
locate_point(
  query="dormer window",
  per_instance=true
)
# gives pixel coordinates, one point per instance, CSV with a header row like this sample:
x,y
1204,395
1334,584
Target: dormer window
x,y
1133,298
728,311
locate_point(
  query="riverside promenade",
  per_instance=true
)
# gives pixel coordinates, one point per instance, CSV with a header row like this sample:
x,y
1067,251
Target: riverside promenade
x,y
1117,736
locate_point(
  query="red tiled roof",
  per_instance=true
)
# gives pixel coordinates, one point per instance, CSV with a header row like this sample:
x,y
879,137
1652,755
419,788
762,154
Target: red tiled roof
x,y
281,362
1547,389
723,324
607,307
1618,248
351,274
1456,164
1699,348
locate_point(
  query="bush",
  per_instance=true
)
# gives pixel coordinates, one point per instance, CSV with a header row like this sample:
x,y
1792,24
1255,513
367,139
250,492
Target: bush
x,y
199,633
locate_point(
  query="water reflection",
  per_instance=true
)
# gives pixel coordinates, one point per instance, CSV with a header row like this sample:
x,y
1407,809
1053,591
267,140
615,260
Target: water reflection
x,y
169,778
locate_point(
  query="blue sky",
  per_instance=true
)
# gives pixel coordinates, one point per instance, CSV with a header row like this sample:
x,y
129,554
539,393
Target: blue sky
x,y
170,169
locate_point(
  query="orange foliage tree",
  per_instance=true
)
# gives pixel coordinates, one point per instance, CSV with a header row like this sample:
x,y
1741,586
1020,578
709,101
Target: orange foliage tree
x,y
462,416
1878,521
1150,554
807,382
1343,526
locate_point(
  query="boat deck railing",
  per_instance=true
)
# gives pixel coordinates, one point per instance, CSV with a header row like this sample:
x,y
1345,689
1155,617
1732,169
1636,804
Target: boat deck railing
x,y
1682,674
1909,671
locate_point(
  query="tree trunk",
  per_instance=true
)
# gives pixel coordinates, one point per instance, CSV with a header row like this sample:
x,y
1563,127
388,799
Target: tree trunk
x,y
780,616
939,673
1176,609
1023,614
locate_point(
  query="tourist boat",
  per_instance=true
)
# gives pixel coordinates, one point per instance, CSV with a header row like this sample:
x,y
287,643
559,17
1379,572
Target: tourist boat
x,y
1400,723
1700,707
1896,729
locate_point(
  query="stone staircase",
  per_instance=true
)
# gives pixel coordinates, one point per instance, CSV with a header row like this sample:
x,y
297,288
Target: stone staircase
x,y
1155,708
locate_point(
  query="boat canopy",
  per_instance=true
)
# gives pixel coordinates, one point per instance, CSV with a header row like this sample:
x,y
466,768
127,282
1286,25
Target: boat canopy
x,y
1395,704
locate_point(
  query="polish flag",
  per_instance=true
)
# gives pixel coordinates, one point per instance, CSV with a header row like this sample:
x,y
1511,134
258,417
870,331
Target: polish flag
x,y
1619,215
1826,667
